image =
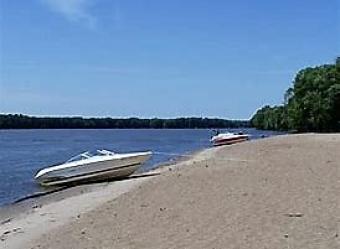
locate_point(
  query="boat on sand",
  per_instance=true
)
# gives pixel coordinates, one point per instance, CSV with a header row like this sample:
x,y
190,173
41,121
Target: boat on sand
x,y
228,138
88,167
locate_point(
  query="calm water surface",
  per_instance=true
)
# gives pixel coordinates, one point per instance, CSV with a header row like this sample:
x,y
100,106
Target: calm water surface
x,y
23,152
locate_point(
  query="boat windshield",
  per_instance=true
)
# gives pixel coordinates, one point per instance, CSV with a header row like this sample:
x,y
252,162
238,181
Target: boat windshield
x,y
88,154
82,156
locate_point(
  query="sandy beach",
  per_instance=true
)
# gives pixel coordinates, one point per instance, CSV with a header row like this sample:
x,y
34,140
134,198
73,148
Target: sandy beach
x,y
280,192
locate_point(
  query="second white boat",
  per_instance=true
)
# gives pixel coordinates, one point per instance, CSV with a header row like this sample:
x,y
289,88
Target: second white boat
x,y
228,138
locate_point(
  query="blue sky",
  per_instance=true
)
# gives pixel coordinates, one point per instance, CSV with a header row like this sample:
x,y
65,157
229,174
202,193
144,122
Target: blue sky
x,y
156,58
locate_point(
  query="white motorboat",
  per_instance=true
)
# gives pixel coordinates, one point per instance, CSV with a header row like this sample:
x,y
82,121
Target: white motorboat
x,y
87,167
228,138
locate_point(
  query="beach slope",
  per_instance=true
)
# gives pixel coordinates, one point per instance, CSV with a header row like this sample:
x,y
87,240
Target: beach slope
x,y
280,192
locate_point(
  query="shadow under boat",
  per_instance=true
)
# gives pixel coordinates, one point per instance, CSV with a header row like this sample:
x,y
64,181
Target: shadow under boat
x,y
55,189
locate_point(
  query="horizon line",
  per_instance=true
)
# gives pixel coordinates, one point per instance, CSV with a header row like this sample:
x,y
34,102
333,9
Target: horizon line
x,y
119,117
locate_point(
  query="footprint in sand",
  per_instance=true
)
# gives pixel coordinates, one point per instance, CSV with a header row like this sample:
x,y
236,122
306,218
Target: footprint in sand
x,y
6,233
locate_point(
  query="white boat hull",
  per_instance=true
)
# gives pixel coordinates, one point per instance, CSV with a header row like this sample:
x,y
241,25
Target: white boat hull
x,y
94,171
228,139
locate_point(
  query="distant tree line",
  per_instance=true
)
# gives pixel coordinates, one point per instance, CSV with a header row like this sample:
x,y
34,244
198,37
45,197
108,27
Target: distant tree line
x,y
312,104
19,121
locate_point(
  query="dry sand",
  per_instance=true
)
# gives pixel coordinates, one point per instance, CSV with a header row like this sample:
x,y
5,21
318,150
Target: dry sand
x,y
280,192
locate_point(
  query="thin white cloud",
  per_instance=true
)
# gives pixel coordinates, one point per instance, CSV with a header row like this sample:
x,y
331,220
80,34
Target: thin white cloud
x,y
73,10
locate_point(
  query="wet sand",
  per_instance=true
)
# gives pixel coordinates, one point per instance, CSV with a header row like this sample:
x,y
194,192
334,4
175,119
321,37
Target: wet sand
x,y
280,192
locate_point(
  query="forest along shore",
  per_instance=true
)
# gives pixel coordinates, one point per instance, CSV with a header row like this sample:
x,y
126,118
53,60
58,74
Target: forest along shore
x,y
280,192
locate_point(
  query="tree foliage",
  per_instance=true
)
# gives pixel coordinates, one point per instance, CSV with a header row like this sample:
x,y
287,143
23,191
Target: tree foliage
x,y
312,104
18,121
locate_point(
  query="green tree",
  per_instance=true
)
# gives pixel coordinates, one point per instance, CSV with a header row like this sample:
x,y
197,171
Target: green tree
x,y
312,104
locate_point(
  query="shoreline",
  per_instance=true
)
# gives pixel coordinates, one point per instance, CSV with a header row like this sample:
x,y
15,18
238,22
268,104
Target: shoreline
x,y
276,192
36,196
26,170
34,211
